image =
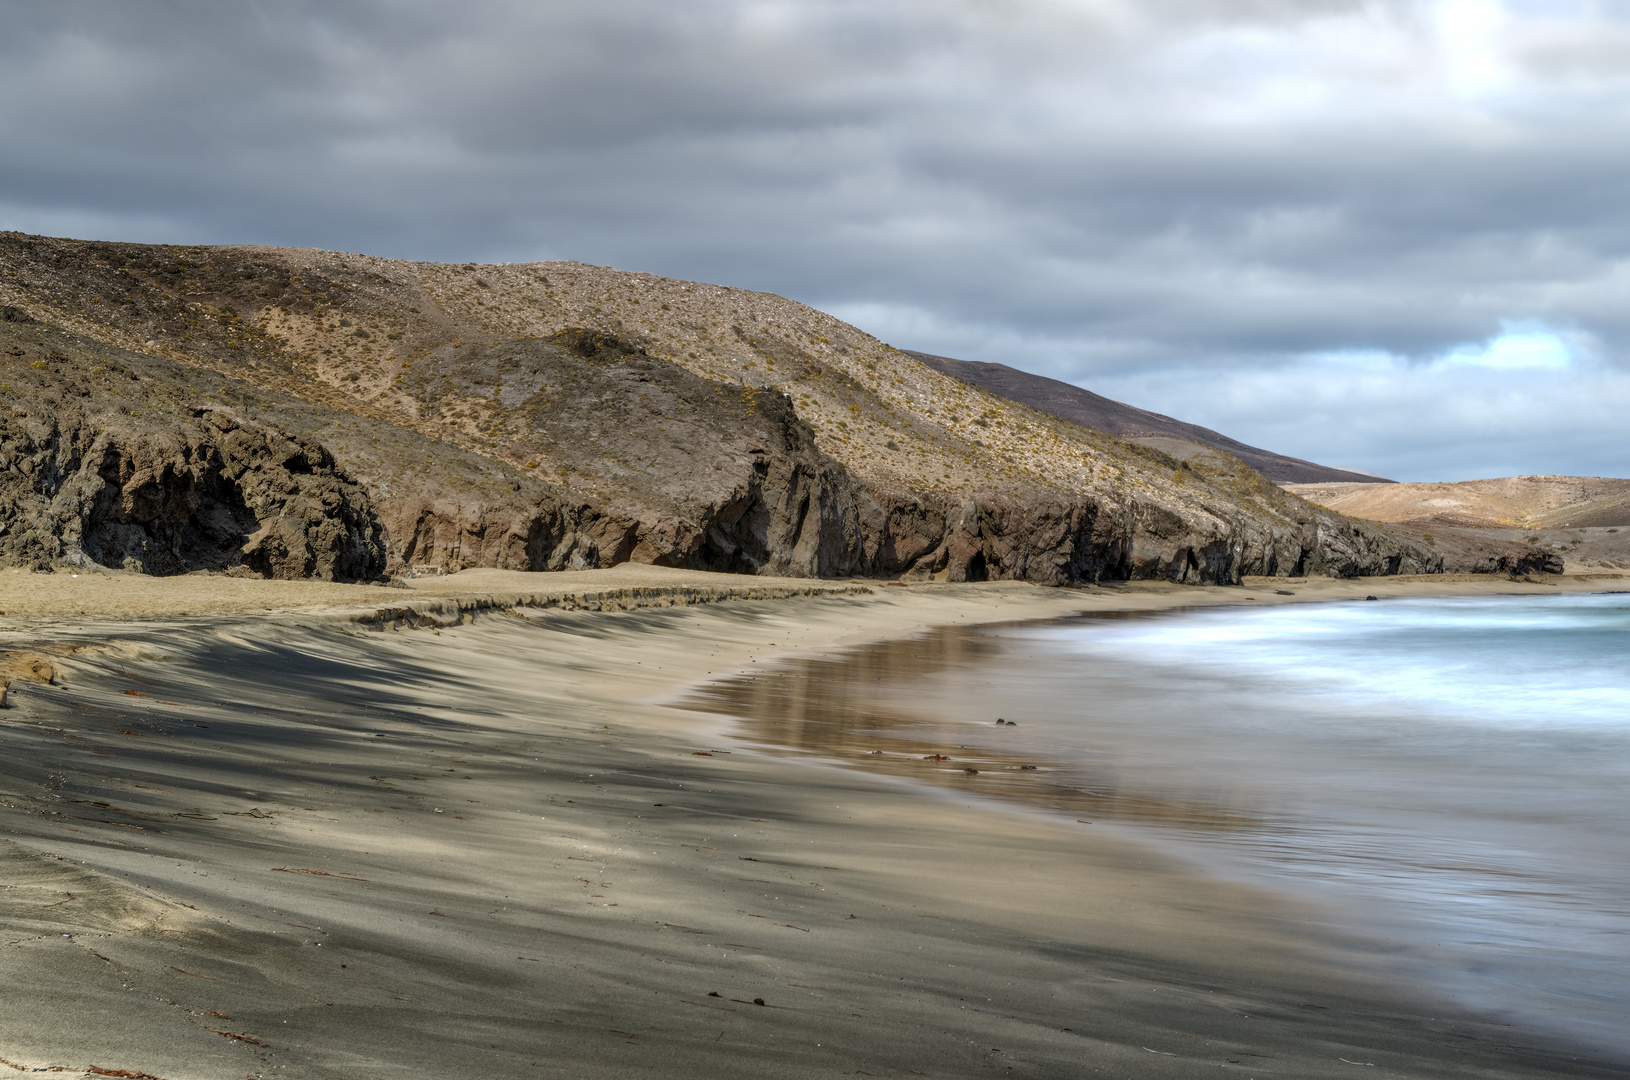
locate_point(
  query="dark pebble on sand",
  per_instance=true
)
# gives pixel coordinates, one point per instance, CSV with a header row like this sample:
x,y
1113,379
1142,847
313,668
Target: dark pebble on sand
x,y
971,772
1372,598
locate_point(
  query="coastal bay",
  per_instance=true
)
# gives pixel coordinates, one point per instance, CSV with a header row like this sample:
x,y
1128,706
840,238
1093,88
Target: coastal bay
x,y
462,830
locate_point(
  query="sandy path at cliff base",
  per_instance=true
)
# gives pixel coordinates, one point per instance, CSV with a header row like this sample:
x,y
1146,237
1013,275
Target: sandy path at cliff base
x,y
66,598
303,846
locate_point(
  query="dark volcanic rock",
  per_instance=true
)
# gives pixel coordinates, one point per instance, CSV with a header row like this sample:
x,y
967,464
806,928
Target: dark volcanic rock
x,y
1475,551
1061,542
100,463
693,473
678,470
213,495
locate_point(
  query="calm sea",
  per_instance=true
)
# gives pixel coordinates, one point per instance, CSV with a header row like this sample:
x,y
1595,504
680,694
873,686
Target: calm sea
x,y
1450,777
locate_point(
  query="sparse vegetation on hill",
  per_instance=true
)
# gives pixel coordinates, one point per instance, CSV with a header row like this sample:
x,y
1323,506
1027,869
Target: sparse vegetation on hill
x,y
1576,517
554,415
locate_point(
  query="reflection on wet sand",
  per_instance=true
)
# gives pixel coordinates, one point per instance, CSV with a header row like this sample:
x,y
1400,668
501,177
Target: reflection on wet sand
x,y
865,707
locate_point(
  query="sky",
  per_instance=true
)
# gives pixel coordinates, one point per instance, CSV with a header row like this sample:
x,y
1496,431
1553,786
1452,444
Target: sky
x,y
1390,235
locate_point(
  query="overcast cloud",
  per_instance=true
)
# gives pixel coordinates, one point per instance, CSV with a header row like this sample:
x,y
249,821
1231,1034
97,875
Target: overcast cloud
x,y
1387,235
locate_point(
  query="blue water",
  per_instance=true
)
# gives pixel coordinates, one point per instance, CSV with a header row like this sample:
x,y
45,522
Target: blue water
x,y
1448,777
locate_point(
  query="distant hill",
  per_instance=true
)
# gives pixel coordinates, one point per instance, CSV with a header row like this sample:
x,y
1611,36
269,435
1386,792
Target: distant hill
x,y
1516,502
1584,519
1099,413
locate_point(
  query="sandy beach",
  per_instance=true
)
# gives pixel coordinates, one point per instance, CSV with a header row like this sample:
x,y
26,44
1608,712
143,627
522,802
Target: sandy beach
x,y
258,829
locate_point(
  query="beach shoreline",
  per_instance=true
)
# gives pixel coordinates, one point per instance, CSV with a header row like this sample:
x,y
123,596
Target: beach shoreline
x,y
478,797
101,593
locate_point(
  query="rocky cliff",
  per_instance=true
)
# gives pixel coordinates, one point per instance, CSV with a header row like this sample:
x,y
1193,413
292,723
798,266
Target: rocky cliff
x,y
164,491
309,413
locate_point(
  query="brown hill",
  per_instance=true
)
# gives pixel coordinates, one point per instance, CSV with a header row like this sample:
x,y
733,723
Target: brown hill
x,y
555,415
1519,502
1577,516
1175,437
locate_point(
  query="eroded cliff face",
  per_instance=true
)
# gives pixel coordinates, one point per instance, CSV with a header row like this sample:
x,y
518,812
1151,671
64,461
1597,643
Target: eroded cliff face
x,y
124,460
647,462
171,490
1061,542
308,414
214,495
844,529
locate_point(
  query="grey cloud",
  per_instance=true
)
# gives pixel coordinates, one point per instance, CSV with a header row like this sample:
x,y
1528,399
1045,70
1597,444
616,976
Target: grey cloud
x,y
1123,194
1443,423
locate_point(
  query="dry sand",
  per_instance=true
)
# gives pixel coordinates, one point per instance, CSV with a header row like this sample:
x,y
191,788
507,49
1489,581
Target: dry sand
x,y
306,842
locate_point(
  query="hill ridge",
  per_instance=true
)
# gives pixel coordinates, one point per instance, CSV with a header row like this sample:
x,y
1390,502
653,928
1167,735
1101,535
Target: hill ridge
x,y
558,415
1129,422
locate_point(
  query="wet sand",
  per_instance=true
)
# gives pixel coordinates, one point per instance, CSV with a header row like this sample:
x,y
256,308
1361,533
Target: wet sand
x,y
879,707
308,842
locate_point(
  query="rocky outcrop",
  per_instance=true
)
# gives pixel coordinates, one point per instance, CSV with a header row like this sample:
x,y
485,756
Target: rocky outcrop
x,y
220,492
1061,542
709,476
852,531
787,512
666,468
1475,551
